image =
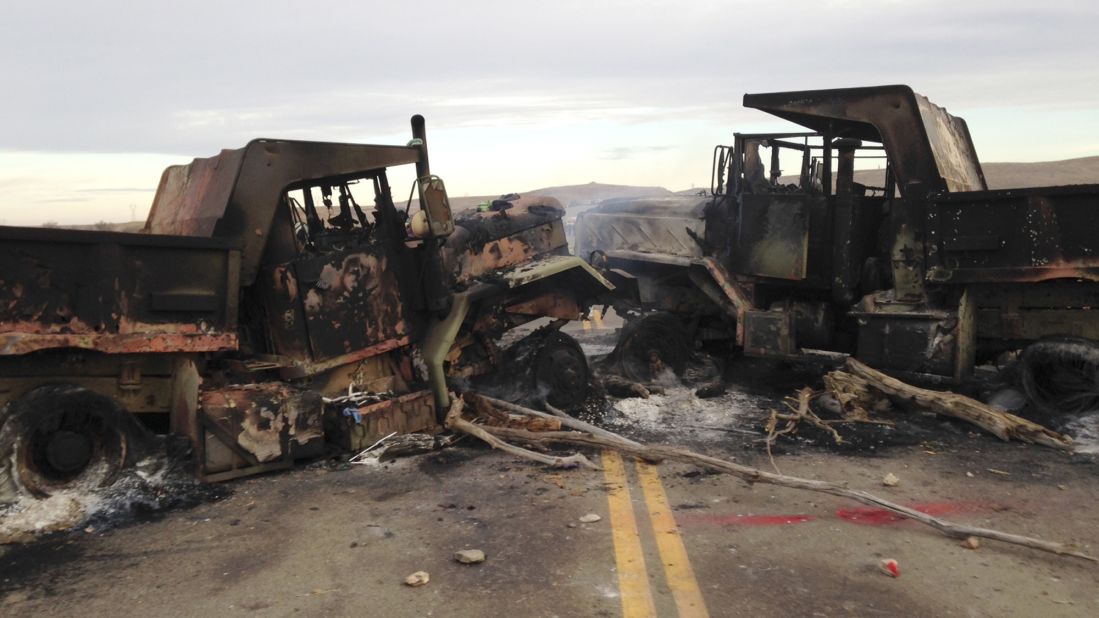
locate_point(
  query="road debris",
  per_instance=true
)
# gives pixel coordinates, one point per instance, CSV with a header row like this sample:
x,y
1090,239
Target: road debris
x,y
586,435
890,480
469,556
417,579
618,386
971,542
889,567
590,518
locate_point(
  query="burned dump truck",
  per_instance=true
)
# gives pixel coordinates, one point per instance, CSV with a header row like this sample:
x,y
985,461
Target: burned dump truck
x,y
268,281
917,269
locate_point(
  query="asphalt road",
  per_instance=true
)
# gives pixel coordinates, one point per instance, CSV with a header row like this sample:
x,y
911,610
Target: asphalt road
x,y
671,540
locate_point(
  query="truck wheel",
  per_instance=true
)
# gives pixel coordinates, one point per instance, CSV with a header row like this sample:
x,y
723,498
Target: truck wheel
x,y
62,436
651,346
560,371
1061,376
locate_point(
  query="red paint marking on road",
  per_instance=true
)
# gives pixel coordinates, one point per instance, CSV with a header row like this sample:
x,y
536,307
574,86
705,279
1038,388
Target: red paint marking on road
x,y
742,520
870,516
867,516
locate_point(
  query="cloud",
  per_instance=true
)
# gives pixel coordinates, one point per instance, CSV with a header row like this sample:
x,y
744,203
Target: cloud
x,y
511,78
619,153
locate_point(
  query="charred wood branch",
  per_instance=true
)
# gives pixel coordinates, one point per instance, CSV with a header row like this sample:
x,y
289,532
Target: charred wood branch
x,y
658,453
999,423
454,421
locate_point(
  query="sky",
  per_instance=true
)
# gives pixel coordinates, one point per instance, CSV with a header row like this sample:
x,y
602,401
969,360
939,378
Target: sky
x,y
100,96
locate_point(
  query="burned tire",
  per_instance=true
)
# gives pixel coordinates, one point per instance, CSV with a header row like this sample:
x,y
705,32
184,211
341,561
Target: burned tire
x,y
651,344
560,371
61,436
1061,376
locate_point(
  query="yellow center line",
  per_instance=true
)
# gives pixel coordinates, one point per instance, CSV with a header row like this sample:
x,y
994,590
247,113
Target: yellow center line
x,y
633,578
677,567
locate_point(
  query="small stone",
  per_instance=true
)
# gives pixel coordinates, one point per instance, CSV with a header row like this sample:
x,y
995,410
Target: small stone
x,y
419,578
1062,487
890,480
469,556
590,518
969,474
971,542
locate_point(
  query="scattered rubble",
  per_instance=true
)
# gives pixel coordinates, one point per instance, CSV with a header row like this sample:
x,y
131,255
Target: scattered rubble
x,y
890,480
469,556
590,518
417,579
971,542
889,567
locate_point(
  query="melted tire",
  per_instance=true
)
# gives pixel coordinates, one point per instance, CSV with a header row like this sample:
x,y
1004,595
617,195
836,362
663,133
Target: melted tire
x,y
650,344
1061,376
60,436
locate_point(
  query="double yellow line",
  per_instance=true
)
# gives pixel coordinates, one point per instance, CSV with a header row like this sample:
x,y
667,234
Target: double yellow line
x,y
596,319
633,577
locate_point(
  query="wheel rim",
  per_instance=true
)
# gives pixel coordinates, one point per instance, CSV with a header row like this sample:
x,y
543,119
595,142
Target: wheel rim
x,y
65,437
68,452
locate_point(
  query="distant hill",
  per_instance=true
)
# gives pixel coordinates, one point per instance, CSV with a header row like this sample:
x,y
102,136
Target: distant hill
x,y
577,198
103,226
571,195
1080,171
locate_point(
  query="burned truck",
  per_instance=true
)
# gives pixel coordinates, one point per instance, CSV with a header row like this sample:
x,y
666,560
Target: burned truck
x,y
911,264
268,281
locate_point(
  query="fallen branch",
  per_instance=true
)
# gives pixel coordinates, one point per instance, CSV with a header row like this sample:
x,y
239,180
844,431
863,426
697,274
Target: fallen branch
x,y
657,453
455,421
999,423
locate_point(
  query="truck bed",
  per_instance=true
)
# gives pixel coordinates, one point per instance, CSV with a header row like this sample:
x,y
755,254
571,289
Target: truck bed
x,y
1031,234
116,292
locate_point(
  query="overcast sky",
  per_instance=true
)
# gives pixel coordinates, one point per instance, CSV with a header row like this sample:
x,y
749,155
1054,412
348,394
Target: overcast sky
x,y
100,96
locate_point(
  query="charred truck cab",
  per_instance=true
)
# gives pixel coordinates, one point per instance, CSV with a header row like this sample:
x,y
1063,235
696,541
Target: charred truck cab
x,y
268,282
918,268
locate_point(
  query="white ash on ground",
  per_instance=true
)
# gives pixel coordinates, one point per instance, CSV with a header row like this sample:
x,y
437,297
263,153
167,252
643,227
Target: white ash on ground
x,y
680,413
153,485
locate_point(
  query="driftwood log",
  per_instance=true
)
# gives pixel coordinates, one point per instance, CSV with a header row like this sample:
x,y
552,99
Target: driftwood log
x,y
586,435
860,380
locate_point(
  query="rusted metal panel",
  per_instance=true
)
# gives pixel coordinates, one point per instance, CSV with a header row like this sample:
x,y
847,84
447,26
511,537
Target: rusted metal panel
x,y
335,304
930,150
261,423
773,238
1022,235
190,199
1028,312
115,293
351,301
356,428
486,242
235,194
15,343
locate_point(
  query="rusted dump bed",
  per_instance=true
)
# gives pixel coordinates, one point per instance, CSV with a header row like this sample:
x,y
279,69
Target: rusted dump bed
x,y
1024,235
115,293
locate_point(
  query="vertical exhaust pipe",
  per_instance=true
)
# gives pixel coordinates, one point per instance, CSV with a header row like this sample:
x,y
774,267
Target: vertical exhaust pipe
x,y
419,132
